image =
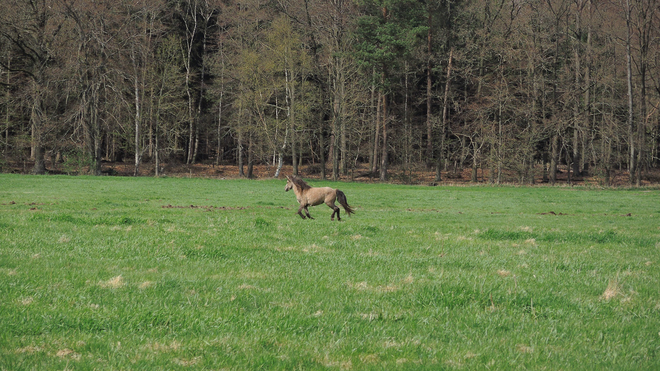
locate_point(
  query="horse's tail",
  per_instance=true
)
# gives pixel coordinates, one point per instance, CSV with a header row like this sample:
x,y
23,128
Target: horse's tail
x,y
341,197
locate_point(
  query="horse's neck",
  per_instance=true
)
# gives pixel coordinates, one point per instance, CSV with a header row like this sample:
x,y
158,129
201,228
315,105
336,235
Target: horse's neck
x,y
298,191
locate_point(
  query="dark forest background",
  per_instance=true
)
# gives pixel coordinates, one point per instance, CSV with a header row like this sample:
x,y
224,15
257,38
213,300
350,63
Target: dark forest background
x,y
513,90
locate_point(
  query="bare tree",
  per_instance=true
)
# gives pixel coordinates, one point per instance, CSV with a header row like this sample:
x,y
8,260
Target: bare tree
x,y
33,31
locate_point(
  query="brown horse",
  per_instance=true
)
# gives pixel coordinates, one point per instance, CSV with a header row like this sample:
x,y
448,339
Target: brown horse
x,y
312,196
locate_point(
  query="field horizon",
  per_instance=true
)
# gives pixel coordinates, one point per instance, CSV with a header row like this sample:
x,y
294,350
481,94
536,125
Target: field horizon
x,y
198,273
414,174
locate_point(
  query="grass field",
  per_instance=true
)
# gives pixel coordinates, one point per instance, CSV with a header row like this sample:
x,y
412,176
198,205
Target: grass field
x,y
143,273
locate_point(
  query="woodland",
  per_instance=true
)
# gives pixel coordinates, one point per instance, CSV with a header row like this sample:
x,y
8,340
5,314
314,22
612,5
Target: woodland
x,y
506,90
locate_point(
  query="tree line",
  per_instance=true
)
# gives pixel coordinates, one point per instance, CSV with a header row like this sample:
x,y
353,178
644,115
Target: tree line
x,y
514,88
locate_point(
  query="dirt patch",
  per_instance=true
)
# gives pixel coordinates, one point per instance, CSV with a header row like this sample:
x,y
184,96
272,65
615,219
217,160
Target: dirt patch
x,y
613,290
163,348
63,353
226,208
205,207
30,349
364,286
503,273
113,283
186,362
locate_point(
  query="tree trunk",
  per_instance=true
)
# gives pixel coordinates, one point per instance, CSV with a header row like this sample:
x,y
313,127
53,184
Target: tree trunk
x,y
39,162
291,116
373,155
407,130
587,91
554,159
37,140
576,106
137,127
342,136
475,163
647,29
36,118
641,127
322,153
336,125
95,133
374,164
7,104
280,154
294,153
202,79
219,150
383,163
240,152
500,145
340,107
443,128
429,91
250,172
191,31
632,166
493,170
156,151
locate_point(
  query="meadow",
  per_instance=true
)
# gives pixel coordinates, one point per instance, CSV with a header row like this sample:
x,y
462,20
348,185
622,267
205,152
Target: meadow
x,y
171,273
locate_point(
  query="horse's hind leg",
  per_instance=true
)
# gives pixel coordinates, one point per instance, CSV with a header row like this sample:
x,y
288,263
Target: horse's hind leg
x,y
335,210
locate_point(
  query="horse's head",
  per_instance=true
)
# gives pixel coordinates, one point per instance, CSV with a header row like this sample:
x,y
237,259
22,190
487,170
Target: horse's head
x,y
289,184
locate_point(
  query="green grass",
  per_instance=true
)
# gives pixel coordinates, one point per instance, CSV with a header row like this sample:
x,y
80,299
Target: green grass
x,y
143,273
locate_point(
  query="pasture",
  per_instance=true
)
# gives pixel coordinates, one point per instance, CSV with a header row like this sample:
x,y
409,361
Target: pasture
x,y
143,273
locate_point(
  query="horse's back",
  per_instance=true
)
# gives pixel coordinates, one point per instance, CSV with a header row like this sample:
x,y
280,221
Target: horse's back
x,y
319,195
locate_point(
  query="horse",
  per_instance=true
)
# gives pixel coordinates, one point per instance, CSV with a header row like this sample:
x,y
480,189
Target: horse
x,y
312,196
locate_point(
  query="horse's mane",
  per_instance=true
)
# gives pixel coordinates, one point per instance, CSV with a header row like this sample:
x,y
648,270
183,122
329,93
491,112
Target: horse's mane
x,y
298,182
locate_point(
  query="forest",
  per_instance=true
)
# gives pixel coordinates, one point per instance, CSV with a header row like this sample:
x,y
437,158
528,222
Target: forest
x,y
505,90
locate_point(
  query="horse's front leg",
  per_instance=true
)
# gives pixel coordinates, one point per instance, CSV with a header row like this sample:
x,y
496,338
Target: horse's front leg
x,y
307,212
300,209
